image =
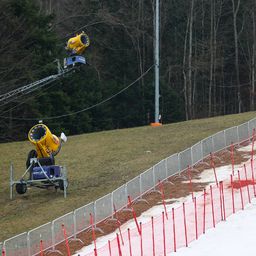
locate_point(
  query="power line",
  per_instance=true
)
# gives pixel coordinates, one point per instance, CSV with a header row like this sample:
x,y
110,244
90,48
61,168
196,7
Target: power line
x,y
79,29
85,109
231,85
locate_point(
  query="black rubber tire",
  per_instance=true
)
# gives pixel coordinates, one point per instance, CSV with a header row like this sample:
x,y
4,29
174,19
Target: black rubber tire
x,y
61,184
32,154
21,188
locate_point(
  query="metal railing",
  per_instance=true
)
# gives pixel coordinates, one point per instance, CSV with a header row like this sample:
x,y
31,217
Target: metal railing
x,y
28,243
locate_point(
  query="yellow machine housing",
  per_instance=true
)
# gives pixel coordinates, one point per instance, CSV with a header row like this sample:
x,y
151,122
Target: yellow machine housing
x,y
78,44
46,143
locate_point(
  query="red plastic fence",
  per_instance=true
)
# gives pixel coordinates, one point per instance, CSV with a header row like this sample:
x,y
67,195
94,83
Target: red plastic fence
x,y
187,222
41,248
66,240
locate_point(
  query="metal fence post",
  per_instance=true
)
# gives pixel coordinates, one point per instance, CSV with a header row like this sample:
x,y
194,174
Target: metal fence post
x,y
166,168
53,237
74,220
11,181
225,137
213,144
112,205
65,181
248,127
126,192
179,163
239,139
140,186
237,136
95,213
202,150
29,245
154,177
192,160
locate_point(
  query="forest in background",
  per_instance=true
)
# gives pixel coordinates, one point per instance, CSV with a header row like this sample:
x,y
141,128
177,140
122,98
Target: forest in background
x,y
207,62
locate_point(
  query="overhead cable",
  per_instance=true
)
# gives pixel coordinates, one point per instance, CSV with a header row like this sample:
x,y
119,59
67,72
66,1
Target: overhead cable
x,y
84,109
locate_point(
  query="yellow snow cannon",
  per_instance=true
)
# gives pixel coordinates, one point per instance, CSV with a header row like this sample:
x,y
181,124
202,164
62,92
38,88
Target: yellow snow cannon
x,y
40,164
77,44
46,143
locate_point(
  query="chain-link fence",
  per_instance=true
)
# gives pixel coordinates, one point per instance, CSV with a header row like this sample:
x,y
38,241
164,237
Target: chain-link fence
x,y
160,171
231,135
17,245
147,180
120,197
65,222
133,188
82,217
219,141
75,222
185,159
207,146
196,153
35,236
243,132
173,164
103,208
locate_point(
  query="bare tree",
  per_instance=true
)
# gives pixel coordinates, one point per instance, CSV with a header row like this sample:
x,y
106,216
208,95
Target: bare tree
x,y
211,56
235,9
184,70
190,52
253,59
216,14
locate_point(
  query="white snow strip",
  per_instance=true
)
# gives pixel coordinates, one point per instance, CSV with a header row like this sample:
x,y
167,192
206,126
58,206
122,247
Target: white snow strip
x,y
247,148
234,237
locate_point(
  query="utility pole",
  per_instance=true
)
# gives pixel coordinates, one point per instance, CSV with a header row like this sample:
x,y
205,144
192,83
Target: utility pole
x,y
156,25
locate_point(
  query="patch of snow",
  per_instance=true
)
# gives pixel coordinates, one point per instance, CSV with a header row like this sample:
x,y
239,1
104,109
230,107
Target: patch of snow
x,y
247,148
234,237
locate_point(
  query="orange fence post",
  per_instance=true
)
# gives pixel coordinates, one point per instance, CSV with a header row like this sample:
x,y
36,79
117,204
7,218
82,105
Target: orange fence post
x,y
66,240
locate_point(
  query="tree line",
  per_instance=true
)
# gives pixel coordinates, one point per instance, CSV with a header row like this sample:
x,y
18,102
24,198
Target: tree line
x,y
207,62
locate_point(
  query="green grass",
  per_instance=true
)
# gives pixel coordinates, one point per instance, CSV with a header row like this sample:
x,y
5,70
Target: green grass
x,y
97,163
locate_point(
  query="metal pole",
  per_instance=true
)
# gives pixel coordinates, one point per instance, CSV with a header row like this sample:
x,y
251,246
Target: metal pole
x,y
157,62
65,182
11,181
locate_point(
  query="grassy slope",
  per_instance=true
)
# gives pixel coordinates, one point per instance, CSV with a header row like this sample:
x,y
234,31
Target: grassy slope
x,y
97,164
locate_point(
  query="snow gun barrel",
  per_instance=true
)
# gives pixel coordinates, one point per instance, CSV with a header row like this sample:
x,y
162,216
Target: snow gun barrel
x,y
77,44
46,143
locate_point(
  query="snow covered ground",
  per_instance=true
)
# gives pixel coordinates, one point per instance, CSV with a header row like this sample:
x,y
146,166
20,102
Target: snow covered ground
x,y
224,239
235,236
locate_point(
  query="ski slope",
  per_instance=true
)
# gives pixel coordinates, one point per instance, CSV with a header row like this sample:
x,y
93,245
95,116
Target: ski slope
x,y
233,236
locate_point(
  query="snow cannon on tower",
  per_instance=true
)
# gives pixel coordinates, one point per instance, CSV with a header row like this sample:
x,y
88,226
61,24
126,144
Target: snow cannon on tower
x,y
75,48
78,44
41,171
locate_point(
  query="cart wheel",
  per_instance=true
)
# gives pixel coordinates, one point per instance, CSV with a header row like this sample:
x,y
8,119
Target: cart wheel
x,y
21,188
32,154
61,184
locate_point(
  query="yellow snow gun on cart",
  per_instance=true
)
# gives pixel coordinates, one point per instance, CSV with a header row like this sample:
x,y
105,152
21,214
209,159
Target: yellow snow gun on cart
x,y
41,171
